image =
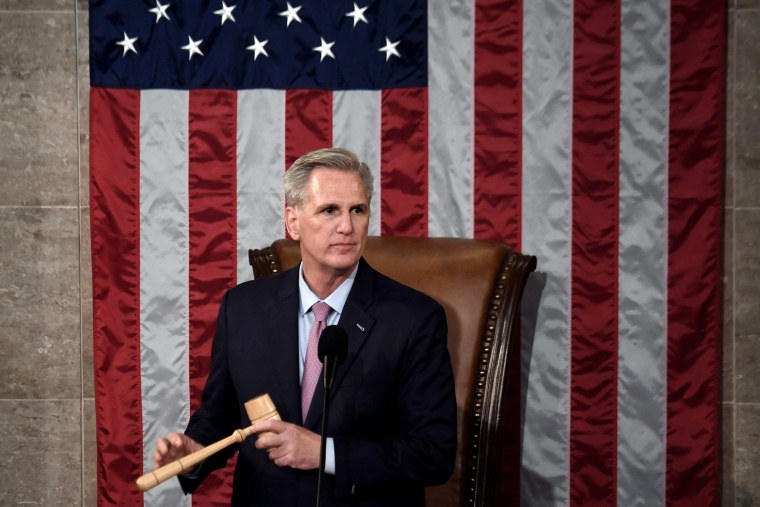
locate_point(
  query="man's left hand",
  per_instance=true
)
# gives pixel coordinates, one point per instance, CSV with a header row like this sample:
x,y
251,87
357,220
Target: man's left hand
x,y
287,444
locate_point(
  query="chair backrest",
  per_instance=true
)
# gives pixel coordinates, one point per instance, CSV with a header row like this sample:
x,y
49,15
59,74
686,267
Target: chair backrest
x,y
480,286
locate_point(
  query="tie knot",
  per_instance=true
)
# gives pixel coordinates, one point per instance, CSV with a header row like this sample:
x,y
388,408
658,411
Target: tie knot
x,y
321,310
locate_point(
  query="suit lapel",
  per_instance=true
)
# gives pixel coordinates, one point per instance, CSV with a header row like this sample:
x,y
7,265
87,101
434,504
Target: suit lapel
x,y
281,350
358,325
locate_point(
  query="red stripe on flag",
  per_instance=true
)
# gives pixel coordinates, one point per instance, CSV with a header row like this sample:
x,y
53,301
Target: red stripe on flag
x,y
594,320
498,121
212,129
308,122
694,251
115,235
497,196
403,162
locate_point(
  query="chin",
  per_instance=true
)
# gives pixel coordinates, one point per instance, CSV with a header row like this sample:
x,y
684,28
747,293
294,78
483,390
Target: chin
x,y
344,263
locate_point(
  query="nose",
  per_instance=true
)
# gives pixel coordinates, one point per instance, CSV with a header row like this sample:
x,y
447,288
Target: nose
x,y
345,224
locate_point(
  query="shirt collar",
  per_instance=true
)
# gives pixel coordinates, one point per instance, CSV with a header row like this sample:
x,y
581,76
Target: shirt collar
x,y
336,300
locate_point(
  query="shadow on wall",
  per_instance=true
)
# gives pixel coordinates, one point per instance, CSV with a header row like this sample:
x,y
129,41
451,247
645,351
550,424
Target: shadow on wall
x,y
534,289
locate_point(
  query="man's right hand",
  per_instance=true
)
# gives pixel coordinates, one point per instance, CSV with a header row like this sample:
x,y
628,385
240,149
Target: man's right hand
x,y
172,447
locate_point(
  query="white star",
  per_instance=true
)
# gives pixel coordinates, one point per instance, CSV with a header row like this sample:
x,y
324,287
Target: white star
x,y
291,13
226,12
160,11
258,48
357,14
324,49
192,47
128,44
390,49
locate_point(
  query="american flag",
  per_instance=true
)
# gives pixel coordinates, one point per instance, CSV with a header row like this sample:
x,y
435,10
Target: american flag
x,y
588,133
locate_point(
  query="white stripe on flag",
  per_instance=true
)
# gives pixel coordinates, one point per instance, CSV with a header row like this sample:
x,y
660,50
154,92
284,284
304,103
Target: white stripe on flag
x,y
450,119
164,297
260,165
547,193
643,252
356,127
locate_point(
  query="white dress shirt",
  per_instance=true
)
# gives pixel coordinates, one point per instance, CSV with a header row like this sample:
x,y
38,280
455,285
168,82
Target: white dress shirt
x,y
337,301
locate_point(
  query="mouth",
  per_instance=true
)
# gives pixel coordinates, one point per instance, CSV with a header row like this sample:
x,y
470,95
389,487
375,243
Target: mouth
x,y
343,246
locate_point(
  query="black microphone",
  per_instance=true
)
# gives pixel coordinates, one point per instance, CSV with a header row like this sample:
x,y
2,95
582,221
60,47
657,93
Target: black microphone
x,y
333,345
332,349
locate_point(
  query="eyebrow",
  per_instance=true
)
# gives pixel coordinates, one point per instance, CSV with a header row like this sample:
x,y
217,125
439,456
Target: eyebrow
x,y
336,205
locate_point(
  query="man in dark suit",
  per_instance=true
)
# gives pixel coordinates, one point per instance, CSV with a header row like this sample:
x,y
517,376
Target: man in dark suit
x,y
392,424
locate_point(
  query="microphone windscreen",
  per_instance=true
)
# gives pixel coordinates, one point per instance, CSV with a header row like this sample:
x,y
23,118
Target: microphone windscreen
x,y
334,343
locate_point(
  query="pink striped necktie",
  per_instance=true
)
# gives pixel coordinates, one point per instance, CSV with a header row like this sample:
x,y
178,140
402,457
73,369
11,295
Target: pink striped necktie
x,y
312,366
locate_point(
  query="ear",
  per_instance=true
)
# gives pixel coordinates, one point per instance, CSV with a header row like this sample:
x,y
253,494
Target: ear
x,y
291,222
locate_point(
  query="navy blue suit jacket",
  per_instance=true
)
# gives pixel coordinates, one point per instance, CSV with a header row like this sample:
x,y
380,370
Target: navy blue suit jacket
x,y
392,405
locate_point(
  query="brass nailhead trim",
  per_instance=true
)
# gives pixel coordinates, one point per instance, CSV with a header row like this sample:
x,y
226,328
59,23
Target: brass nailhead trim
x,y
485,354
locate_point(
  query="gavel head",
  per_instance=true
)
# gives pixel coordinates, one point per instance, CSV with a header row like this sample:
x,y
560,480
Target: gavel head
x,y
261,408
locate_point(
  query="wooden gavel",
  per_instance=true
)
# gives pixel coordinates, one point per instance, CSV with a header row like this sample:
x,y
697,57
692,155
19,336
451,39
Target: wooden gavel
x,y
260,408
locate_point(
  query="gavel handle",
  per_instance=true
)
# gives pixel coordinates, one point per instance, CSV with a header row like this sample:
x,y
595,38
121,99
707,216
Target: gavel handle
x,y
187,463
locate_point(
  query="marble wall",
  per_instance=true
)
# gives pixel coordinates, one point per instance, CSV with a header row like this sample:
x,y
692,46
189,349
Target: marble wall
x,y
46,373
46,393
741,357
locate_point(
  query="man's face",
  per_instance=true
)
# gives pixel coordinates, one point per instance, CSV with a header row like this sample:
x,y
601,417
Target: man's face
x,y
332,224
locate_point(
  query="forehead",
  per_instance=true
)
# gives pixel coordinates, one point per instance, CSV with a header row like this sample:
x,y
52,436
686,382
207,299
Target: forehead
x,y
327,183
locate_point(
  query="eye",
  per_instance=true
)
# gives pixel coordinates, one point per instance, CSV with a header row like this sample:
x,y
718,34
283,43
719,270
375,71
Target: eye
x,y
358,210
329,210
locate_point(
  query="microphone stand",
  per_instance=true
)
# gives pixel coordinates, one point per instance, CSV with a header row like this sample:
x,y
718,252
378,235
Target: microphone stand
x,y
327,367
333,345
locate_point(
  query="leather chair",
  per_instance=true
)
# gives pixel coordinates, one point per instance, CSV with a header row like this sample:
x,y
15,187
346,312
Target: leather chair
x,y
480,285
